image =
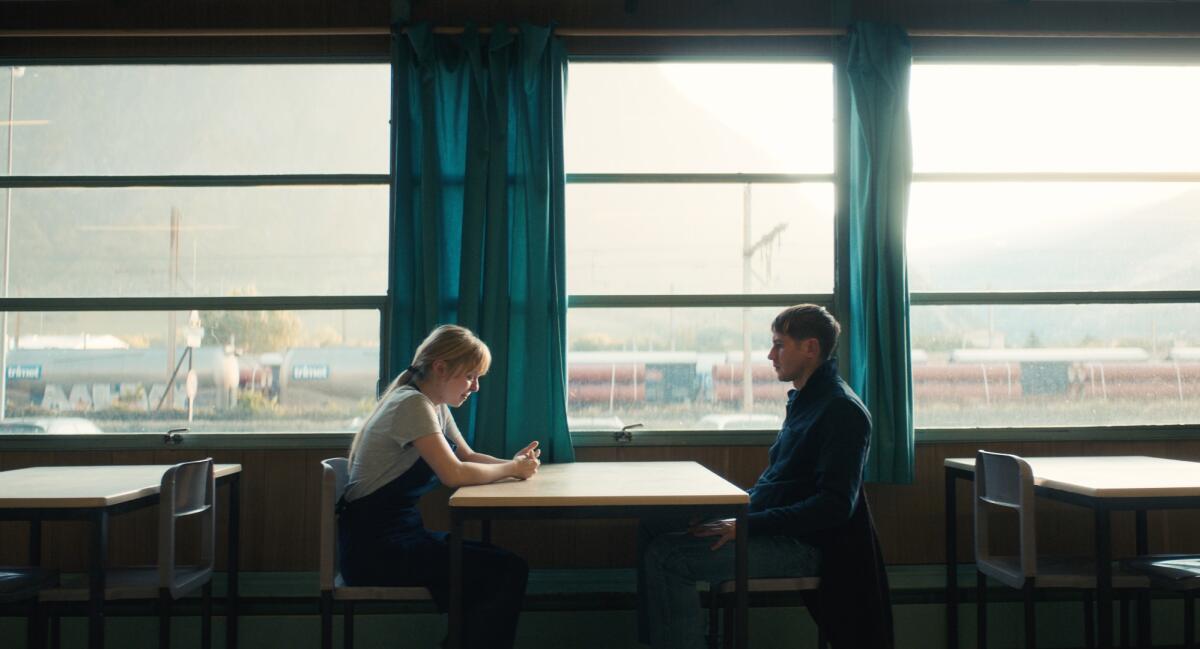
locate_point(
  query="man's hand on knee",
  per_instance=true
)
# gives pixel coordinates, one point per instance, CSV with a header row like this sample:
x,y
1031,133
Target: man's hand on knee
x,y
725,531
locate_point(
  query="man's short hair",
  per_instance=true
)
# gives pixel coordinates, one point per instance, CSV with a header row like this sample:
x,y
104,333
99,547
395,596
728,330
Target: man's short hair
x,y
809,321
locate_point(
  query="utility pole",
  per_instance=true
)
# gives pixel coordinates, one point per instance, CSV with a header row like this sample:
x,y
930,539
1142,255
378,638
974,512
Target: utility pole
x,y
172,281
748,250
747,272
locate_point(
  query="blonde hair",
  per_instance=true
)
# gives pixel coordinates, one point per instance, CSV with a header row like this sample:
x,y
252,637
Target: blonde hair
x,y
462,351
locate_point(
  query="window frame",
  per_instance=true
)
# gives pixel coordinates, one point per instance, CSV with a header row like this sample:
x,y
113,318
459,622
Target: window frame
x,y
380,303
830,300
1124,53
926,50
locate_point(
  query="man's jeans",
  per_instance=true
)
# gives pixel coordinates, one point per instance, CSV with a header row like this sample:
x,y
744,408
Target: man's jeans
x,y
671,563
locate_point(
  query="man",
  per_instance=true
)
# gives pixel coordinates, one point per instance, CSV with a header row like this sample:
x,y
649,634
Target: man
x,y
807,515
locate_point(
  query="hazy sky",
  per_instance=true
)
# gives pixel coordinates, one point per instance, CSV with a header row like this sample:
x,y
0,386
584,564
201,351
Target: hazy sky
x,y
677,117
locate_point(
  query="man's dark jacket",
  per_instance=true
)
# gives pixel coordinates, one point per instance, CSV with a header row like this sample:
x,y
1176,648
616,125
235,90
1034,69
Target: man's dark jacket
x,y
812,490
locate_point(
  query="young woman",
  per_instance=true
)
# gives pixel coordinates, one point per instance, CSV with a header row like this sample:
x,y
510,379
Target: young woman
x,y
407,446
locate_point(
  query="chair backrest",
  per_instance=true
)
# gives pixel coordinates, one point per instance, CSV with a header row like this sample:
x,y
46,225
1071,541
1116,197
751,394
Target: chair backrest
x,y
334,476
1005,481
187,489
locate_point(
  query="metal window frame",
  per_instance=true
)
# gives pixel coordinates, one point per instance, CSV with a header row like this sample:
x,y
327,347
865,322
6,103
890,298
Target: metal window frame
x,y
717,300
836,301
380,303
195,180
942,434
696,437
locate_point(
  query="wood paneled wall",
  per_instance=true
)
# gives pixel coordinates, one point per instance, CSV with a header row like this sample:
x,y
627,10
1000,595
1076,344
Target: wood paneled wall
x,y
280,500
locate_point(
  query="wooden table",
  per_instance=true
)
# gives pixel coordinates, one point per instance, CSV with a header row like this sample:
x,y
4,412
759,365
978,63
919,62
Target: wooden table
x,y
93,493
601,490
1103,484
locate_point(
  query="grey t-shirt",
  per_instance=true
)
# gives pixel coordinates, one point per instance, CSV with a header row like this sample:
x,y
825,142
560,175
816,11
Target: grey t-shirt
x,y
386,449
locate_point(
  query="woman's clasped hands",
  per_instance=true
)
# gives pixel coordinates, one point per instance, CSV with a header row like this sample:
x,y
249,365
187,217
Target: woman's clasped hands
x,y
526,462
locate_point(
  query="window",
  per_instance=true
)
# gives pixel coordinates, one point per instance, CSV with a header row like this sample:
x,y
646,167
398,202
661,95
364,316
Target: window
x,y
1053,226
230,220
700,201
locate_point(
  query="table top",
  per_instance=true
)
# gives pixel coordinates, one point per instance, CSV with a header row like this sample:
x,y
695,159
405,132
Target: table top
x,y
584,484
86,486
1114,476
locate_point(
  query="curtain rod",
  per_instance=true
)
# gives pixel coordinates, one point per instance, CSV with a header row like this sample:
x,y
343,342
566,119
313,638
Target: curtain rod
x,y
569,32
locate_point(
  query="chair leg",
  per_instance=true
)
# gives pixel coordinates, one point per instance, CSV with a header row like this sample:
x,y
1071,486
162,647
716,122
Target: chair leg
x,y
206,616
727,627
1189,619
1142,616
1124,612
981,609
348,626
164,618
326,619
32,622
1089,621
714,618
1030,615
56,631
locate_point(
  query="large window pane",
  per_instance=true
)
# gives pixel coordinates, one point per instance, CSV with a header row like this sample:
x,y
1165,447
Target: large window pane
x,y
1066,118
196,119
672,369
1054,236
691,238
220,241
1068,365
259,371
700,118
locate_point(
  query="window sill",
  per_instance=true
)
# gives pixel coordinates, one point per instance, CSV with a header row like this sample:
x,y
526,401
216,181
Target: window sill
x,y
594,438
584,439
155,441
1059,434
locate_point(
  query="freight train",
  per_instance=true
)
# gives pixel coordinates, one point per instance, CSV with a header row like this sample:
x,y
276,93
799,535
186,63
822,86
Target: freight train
x,y
136,379
960,376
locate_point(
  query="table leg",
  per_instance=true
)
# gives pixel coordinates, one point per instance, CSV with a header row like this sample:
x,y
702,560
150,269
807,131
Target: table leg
x,y
35,542
233,531
454,615
741,572
34,637
1104,593
99,554
951,541
1143,597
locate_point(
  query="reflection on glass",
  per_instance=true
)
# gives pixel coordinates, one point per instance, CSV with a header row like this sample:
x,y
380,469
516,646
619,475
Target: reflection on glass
x,y
1065,118
134,242
1054,236
664,239
255,371
672,369
199,119
1069,365
699,118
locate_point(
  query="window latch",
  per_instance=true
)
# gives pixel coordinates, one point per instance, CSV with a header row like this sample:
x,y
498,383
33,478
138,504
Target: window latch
x,y
625,435
174,436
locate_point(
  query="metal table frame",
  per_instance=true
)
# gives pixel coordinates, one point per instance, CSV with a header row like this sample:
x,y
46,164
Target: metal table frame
x,y
98,517
458,515
1102,508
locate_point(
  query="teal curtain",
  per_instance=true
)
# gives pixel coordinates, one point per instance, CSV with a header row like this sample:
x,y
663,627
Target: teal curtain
x,y
877,59
477,220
